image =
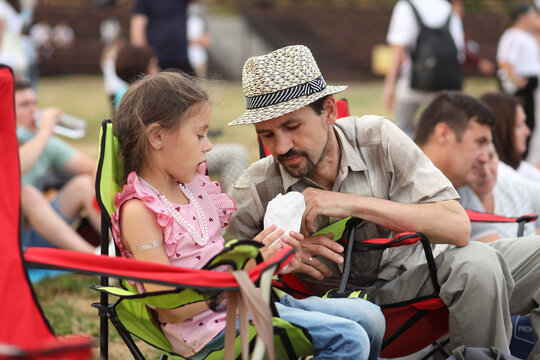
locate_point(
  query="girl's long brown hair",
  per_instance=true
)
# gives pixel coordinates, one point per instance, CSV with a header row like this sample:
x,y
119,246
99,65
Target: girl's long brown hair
x,y
503,108
166,98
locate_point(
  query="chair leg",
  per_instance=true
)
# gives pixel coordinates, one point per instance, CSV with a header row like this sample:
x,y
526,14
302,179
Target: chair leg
x,y
438,346
128,340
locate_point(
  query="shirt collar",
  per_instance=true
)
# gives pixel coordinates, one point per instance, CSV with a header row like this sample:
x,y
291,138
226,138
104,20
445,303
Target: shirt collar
x,y
350,155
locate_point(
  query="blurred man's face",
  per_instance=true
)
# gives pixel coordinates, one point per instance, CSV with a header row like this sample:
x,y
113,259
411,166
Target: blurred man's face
x,y
483,178
25,107
471,150
297,140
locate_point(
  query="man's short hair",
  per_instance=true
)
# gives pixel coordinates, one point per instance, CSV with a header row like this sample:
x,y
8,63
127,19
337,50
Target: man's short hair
x,y
22,84
318,105
455,109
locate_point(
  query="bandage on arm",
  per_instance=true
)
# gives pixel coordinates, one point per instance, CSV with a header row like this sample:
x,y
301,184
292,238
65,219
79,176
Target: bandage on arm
x,y
147,245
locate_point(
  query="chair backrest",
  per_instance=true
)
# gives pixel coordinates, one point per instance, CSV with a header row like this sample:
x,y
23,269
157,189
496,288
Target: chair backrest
x,y
25,331
109,175
23,323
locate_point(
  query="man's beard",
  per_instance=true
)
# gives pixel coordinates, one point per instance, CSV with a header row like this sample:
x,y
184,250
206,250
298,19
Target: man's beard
x,y
297,170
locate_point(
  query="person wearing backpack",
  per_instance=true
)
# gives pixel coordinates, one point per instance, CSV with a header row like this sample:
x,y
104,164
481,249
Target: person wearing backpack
x,y
425,36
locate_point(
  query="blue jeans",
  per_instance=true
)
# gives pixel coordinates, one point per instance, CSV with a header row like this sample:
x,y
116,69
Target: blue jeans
x,y
30,237
348,328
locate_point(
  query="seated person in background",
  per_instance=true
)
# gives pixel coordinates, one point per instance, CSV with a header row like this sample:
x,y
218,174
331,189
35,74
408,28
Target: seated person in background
x,y
367,168
226,160
42,153
511,132
495,188
133,62
47,226
454,131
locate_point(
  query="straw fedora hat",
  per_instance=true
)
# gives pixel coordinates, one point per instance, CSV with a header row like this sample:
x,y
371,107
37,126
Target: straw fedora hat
x,y
281,82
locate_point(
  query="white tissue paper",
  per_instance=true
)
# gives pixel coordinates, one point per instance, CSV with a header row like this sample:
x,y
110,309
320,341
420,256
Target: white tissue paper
x,y
286,212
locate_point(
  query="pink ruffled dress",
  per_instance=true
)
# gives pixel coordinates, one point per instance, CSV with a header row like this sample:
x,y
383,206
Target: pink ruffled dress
x,y
191,335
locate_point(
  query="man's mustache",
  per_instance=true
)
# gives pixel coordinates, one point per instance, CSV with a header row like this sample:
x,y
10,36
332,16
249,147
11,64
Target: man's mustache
x,y
291,153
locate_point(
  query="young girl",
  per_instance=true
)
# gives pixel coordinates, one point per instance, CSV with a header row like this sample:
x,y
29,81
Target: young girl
x,y
170,212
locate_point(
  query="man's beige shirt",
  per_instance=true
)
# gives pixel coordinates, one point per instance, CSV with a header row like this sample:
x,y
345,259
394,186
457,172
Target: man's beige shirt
x,y
377,160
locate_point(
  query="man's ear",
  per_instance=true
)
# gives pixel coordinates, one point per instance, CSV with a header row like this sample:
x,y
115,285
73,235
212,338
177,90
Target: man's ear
x,y
155,135
443,134
330,110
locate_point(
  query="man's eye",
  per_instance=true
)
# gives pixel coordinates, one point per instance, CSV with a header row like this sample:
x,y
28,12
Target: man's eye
x,y
294,127
266,136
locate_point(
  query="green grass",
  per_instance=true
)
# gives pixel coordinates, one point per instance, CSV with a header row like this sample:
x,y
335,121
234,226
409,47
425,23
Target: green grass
x,y
67,299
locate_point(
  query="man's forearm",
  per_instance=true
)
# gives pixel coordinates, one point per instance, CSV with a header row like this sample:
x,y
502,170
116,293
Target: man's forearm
x,y
138,24
442,222
30,151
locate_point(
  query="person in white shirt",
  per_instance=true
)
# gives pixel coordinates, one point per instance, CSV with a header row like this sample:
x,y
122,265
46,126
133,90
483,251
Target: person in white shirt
x,y
518,58
198,40
11,50
495,188
402,34
511,132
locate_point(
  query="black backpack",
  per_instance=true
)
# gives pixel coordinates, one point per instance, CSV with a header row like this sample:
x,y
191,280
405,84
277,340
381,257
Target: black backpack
x,y
435,64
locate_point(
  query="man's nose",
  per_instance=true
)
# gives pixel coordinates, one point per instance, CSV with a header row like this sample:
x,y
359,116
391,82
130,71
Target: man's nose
x,y
483,157
283,144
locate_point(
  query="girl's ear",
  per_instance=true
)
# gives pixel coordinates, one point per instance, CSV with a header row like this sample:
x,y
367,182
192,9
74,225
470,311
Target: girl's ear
x,y
155,135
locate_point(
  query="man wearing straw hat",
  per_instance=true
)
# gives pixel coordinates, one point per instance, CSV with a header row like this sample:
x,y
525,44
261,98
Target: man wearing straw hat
x,y
367,168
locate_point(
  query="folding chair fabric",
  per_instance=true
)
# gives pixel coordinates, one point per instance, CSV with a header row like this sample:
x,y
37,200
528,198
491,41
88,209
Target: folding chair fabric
x,y
109,169
24,332
477,216
410,325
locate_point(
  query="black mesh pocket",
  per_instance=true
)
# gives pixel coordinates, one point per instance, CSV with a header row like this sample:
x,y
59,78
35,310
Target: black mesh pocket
x,y
362,260
365,263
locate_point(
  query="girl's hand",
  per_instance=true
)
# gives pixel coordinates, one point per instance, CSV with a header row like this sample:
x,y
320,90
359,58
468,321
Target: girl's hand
x,y
274,240
270,238
294,240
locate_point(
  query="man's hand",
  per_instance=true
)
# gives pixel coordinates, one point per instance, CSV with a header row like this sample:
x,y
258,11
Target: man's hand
x,y
320,245
326,203
47,120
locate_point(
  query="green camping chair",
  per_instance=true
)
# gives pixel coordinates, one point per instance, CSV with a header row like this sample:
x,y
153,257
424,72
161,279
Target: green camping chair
x,y
130,314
